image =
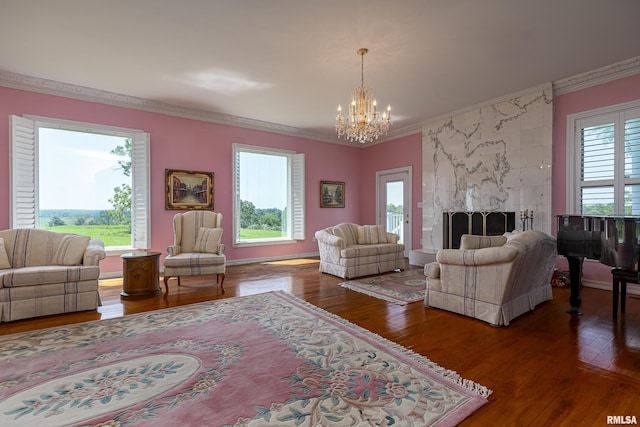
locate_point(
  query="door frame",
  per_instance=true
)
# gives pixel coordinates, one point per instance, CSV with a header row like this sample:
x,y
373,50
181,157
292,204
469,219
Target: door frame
x,y
407,172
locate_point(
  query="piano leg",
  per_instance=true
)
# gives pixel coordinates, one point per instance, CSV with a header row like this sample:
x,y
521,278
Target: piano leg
x,y
575,278
620,279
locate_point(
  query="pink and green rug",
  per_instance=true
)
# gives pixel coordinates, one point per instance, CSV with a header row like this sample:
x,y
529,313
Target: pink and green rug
x,y
399,288
261,360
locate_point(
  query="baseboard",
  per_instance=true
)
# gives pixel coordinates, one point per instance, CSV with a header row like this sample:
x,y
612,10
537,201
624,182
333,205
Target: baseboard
x,y
118,274
271,259
632,288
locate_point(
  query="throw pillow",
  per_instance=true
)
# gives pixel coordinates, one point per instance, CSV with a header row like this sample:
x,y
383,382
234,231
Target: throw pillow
x,y
371,234
208,240
70,250
4,259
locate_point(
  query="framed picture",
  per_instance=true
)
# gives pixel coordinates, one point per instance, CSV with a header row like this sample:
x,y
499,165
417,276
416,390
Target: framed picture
x,y
331,194
189,189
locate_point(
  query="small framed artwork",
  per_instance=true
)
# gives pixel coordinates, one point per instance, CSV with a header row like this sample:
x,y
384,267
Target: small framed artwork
x,y
331,194
188,190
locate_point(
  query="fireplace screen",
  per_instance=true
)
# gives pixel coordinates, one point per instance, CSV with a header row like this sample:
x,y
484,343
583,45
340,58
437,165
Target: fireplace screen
x,y
455,224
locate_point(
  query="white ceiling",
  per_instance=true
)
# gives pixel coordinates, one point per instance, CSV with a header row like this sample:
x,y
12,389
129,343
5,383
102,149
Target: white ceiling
x,y
291,62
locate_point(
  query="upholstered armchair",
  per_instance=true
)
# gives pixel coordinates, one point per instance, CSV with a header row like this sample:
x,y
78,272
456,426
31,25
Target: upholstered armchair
x,y
197,249
493,278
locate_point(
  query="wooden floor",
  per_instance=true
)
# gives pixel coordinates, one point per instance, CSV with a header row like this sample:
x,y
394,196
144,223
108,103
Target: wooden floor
x,y
546,369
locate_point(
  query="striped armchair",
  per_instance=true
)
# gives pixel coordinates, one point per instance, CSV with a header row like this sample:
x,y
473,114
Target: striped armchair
x,y
197,249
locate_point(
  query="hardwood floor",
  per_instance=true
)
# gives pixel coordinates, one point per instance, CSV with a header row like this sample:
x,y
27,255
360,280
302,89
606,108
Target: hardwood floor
x,y
546,369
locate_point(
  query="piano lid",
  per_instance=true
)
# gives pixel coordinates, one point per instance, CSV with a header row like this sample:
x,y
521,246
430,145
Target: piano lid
x,y
612,240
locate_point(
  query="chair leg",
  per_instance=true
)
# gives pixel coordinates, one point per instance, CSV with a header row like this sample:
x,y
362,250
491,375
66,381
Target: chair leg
x,y
166,280
616,287
222,282
623,296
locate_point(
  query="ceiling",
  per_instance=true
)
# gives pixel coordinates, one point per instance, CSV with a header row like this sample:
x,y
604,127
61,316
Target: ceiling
x,y
291,62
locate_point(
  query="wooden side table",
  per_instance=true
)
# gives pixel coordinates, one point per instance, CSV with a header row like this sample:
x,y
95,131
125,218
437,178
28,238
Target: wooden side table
x,y
140,274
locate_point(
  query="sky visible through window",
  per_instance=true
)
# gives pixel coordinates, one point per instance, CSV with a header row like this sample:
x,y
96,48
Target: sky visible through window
x,y
263,180
77,171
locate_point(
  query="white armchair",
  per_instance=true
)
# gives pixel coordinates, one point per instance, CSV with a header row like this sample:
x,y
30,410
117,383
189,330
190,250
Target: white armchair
x,y
197,249
493,279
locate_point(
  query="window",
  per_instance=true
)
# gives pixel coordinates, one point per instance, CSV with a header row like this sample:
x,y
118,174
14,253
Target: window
x,y
604,161
53,159
268,205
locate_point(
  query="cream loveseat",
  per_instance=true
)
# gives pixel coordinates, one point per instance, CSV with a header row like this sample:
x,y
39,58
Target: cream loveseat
x,y
351,250
43,272
493,278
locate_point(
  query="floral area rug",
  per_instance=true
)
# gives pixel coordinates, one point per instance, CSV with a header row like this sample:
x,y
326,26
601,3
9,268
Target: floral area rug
x,y
262,360
399,288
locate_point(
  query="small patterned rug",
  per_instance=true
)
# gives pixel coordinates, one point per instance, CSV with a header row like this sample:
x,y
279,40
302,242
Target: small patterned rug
x,y
262,360
399,288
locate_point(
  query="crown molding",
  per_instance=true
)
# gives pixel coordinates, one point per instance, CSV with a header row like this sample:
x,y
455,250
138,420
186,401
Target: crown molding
x,y
532,90
601,75
84,93
52,87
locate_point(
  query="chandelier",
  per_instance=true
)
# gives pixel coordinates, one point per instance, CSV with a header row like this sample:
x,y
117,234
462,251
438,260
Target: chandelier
x,y
363,123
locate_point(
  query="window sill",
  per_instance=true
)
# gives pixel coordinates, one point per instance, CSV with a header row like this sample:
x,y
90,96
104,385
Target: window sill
x,y
263,243
120,250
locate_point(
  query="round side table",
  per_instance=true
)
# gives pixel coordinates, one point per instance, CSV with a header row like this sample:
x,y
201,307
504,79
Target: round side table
x,y
140,274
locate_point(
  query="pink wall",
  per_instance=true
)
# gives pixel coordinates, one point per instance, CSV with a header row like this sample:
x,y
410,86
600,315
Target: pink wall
x,y
178,143
616,92
402,152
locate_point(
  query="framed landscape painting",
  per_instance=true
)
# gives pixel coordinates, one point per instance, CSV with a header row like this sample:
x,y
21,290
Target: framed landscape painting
x,y
189,189
331,194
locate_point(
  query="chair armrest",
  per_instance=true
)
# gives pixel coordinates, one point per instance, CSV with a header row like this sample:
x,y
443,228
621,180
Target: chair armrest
x,y
221,248
392,237
485,256
173,250
472,241
329,239
432,270
94,252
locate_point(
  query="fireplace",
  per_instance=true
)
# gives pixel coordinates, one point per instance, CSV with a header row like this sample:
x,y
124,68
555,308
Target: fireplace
x,y
455,224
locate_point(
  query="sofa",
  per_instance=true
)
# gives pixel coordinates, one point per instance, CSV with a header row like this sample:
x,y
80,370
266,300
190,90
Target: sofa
x,y
350,250
43,272
493,278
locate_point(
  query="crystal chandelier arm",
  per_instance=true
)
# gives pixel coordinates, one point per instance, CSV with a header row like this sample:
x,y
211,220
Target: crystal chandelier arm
x,y
363,123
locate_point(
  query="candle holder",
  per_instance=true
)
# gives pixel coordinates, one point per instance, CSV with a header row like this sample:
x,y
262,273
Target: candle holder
x,y
526,217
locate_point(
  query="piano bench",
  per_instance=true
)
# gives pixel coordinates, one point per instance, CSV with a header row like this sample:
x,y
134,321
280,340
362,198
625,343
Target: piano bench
x,y
620,279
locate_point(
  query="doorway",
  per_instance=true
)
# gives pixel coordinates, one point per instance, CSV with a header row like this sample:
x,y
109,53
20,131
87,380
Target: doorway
x,y
393,202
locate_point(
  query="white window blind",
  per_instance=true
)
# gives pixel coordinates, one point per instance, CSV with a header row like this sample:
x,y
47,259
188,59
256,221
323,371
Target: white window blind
x,y
604,153
24,173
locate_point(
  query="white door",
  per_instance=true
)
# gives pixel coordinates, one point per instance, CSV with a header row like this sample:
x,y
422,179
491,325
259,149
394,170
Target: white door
x,y
393,201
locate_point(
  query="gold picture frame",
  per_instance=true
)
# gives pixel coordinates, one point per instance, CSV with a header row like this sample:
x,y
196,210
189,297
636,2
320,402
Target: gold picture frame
x,y
188,190
332,194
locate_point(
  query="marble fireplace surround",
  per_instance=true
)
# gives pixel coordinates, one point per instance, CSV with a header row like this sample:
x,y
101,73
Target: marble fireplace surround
x,y
493,157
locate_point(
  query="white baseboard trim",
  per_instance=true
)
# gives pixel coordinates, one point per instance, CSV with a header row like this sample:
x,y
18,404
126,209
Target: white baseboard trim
x,y
270,259
118,274
632,288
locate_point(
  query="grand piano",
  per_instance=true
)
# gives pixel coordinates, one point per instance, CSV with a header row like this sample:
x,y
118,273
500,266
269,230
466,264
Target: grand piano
x,y
612,240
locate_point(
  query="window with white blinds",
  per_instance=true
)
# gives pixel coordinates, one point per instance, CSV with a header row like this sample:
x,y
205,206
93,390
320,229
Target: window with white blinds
x,y
604,161
268,196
